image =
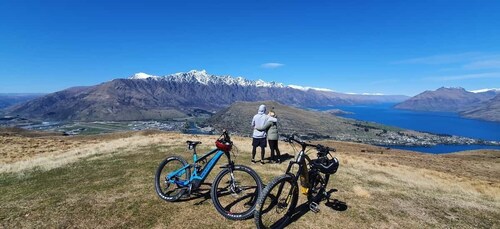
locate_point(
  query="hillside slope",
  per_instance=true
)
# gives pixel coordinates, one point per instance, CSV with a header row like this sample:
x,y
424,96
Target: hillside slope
x,y
238,117
9,99
106,181
489,110
321,125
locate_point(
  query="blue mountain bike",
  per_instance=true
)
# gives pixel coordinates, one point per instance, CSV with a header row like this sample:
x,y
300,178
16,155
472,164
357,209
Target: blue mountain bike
x,y
234,191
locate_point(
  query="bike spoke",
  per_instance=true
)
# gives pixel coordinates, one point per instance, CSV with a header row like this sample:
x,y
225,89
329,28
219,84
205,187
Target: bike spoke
x,y
173,174
277,204
239,194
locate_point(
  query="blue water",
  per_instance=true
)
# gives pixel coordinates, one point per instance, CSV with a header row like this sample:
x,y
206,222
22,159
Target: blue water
x,y
438,149
433,122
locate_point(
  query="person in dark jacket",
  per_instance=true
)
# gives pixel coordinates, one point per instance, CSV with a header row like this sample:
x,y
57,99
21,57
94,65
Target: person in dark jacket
x,y
271,127
259,137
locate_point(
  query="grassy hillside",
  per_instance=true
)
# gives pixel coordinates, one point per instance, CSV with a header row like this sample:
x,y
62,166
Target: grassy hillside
x,y
239,115
324,125
107,181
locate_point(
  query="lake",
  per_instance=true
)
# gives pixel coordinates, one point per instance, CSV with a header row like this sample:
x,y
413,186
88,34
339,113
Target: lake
x,y
433,122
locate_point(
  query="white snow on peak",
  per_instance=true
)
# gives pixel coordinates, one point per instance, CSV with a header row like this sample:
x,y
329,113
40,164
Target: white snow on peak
x,y
309,88
485,90
262,83
453,87
142,75
201,76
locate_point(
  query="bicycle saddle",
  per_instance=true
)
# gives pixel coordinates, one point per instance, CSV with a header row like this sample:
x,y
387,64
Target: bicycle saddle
x,y
193,143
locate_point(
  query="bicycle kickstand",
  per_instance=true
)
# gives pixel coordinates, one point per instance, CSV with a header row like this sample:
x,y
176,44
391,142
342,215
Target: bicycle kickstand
x,y
314,207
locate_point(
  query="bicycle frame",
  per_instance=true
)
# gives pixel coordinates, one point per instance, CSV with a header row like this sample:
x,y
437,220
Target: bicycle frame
x,y
302,161
197,179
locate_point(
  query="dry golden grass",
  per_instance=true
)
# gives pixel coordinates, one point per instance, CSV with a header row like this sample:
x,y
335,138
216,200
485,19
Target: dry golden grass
x,y
106,181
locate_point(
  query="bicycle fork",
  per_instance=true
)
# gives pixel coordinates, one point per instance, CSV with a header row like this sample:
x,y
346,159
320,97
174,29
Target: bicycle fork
x,y
232,185
236,189
286,201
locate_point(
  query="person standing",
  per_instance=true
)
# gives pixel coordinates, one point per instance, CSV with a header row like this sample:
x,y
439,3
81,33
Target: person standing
x,y
271,127
259,137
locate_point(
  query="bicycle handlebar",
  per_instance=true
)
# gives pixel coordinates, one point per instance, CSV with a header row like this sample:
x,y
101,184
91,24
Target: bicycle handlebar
x,y
319,147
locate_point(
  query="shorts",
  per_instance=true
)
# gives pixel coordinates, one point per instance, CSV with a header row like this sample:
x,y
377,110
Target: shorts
x,y
259,142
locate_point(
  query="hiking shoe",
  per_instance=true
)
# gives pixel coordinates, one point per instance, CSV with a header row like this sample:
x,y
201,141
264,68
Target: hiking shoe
x,y
253,161
262,162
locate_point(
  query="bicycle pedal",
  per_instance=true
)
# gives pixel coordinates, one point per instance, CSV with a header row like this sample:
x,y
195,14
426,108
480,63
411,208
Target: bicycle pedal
x,y
314,207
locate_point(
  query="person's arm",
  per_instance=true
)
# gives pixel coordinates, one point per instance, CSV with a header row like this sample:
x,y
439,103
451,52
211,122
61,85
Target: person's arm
x,y
265,127
253,121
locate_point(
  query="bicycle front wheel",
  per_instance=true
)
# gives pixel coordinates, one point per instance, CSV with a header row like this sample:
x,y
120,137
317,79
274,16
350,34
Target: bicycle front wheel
x,y
234,192
167,188
276,205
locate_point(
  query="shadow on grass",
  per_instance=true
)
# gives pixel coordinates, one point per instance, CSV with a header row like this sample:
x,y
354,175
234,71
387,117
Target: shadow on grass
x,y
336,205
302,209
283,157
202,193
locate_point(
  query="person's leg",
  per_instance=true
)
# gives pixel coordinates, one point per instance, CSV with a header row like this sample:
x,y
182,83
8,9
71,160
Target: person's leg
x,y
262,154
262,150
254,150
278,154
272,146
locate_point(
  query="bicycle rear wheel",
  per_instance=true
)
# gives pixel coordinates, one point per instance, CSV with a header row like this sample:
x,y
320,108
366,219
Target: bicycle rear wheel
x,y
276,205
235,194
166,188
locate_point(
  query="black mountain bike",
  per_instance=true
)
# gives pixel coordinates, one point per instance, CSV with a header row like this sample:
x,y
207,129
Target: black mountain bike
x,y
234,190
275,207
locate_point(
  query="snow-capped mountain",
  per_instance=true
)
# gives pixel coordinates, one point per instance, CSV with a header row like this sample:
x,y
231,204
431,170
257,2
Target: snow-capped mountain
x,y
309,88
201,76
497,90
145,97
142,75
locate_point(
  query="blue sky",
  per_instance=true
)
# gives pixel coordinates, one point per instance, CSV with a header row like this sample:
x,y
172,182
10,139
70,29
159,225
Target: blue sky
x,y
390,47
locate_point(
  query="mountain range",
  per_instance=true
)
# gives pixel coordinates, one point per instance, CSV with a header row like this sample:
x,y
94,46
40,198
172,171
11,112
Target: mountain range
x,y
488,110
481,104
146,97
9,99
